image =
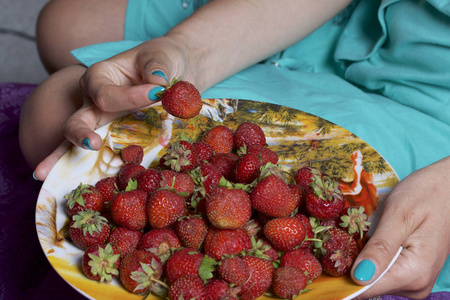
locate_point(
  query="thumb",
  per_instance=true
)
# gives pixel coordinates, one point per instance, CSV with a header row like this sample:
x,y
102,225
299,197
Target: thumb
x,y
380,250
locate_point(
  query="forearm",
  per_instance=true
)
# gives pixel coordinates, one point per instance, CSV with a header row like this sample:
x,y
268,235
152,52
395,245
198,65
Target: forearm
x,y
226,36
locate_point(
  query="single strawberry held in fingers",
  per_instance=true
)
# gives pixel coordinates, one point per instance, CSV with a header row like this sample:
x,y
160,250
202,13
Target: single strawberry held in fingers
x,y
182,99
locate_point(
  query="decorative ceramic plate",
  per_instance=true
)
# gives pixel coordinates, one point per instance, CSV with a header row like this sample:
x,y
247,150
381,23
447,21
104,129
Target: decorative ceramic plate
x,y
298,138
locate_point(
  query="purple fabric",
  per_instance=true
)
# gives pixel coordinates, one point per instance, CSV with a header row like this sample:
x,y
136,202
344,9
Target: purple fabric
x,y
25,272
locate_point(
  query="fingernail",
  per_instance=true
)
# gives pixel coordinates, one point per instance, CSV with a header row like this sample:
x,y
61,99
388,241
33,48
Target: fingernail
x,y
365,270
34,176
160,74
152,95
86,144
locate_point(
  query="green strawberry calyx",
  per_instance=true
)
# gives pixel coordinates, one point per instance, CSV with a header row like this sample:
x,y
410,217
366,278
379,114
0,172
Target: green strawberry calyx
x,y
89,221
104,264
76,195
355,220
147,278
326,188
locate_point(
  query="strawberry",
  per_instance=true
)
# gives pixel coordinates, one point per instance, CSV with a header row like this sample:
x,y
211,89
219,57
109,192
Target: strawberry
x,y
149,180
128,209
324,199
207,176
107,187
261,271
217,289
125,239
304,261
181,183
284,233
191,231
355,221
88,228
247,169
307,242
185,261
264,153
220,138
162,242
204,151
132,154
225,162
164,208
181,99
101,262
128,171
305,176
273,197
233,270
188,287
298,194
248,134
83,197
140,271
181,156
219,242
228,208
253,228
288,282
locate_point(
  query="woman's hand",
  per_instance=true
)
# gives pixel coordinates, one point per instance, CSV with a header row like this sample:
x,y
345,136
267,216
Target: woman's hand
x,y
416,217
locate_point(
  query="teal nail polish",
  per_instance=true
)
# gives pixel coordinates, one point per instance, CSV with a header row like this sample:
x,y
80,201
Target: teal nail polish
x,y
34,176
365,270
86,144
152,95
160,74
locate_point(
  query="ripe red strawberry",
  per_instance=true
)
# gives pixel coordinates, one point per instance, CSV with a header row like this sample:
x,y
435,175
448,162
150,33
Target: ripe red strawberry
x,y
225,162
247,169
191,231
107,187
217,289
219,242
228,208
273,197
185,261
181,183
83,197
207,176
260,280
181,156
324,199
355,221
181,99
128,209
149,180
101,262
132,154
304,261
220,138
88,228
248,134
188,287
139,271
125,239
307,242
288,282
298,194
263,152
233,270
305,176
128,171
162,242
204,151
164,208
284,233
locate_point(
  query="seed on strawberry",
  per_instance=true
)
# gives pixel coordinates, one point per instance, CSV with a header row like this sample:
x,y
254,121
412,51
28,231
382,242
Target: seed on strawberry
x,y
83,197
248,134
164,208
284,233
140,271
162,242
288,282
132,154
191,231
188,287
228,208
220,138
125,239
88,228
181,99
324,199
101,262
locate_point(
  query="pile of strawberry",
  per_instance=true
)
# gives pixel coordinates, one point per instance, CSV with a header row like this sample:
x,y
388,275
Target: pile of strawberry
x,y
217,219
